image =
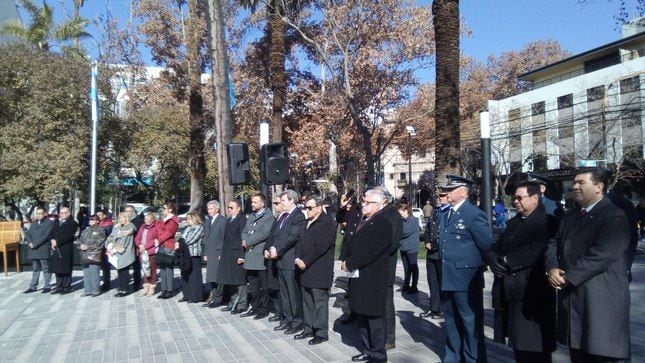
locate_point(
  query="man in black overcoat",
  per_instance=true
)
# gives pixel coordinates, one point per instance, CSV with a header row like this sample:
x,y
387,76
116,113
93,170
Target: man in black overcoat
x,y
523,300
231,272
586,265
315,260
62,254
433,263
38,242
281,247
213,241
367,264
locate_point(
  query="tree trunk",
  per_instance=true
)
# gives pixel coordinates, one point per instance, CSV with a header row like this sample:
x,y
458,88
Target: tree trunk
x,y
221,96
446,27
277,67
196,161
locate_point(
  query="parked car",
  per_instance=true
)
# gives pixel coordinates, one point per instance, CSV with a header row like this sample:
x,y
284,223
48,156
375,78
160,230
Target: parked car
x,y
418,212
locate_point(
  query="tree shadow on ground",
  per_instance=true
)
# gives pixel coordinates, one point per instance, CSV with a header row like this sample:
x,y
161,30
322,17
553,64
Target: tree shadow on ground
x,y
423,331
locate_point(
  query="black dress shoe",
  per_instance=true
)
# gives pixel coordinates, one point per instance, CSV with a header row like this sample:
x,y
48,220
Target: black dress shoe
x,y
162,295
237,311
66,291
282,326
431,314
293,330
227,308
46,290
317,340
182,299
248,313
260,316
360,358
303,335
412,290
29,291
56,291
272,319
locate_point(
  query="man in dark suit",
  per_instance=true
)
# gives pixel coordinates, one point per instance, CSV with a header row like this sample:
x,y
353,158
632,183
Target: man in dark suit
x,y
367,264
464,240
256,233
231,272
433,264
282,248
315,260
393,217
213,241
585,263
524,302
62,254
38,241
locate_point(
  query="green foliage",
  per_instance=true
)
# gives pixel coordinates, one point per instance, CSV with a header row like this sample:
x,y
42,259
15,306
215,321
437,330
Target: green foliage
x,y
43,122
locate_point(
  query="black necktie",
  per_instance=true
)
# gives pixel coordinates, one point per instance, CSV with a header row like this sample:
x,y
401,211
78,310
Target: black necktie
x,y
583,212
450,212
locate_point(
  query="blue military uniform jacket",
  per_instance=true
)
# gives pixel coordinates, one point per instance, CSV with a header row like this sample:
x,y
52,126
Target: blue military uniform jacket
x,y
464,240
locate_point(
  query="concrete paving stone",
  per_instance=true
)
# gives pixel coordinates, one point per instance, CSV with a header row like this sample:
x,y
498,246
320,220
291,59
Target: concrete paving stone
x,y
187,357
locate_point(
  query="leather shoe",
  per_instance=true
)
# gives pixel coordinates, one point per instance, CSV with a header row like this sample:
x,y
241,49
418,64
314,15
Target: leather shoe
x,y
227,308
272,319
46,290
29,291
212,305
293,330
237,311
282,326
390,346
248,313
303,335
182,299
66,291
360,358
56,291
162,295
317,340
261,316
413,290
431,314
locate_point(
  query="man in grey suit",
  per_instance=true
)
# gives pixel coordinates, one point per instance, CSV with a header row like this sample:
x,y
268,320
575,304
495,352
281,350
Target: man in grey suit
x,y
258,229
38,241
213,241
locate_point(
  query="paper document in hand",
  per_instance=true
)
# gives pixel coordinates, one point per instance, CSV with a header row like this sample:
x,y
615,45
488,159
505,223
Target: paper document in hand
x,y
352,274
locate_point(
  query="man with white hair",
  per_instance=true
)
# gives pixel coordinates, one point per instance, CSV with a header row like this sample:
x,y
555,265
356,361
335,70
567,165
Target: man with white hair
x,y
367,264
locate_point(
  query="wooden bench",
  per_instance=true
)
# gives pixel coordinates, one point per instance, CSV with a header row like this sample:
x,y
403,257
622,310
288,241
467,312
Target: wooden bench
x,y
10,241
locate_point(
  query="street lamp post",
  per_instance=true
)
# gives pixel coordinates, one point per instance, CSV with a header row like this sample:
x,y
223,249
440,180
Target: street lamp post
x,y
411,132
486,200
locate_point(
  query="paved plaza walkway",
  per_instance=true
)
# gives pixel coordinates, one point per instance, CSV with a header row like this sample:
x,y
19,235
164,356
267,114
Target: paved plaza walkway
x,y
69,328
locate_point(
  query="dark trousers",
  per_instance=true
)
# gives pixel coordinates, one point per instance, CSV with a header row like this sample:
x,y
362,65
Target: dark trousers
x,y
464,337
315,311
274,303
433,270
372,331
410,268
191,285
390,317
579,356
290,298
522,356
258,289
64,281
123,277
105,271
136,273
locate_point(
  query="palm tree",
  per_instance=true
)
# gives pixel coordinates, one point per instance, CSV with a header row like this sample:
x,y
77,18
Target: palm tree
x,y
446,28
42,32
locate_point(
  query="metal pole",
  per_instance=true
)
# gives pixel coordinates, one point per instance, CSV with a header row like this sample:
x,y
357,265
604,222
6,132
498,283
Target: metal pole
x,y
486,193
410,168
95,125
264,139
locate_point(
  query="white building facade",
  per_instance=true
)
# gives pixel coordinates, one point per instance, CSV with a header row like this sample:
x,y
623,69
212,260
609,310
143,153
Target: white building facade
x,y
586,107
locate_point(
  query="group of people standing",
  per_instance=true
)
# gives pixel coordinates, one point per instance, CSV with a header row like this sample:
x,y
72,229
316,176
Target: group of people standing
x,y
280,259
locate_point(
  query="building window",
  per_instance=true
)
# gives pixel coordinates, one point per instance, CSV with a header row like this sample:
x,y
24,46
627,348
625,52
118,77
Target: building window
x,y
515,134
595,93
596,113
402,176
565,101
537,108
630,114
601,62
538,125
391,176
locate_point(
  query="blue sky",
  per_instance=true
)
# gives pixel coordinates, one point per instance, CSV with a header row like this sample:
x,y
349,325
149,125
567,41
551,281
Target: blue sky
x,y
497,25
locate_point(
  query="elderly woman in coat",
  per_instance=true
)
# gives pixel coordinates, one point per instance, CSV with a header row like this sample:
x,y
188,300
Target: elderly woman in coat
x,y
144,241
193,236
120,250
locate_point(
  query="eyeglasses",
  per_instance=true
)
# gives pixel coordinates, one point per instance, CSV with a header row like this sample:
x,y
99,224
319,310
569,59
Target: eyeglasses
x,y
520,197
309,207
368,202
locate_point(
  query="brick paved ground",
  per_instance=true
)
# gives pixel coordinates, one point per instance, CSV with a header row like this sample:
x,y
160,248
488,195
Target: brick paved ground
x,y
71,328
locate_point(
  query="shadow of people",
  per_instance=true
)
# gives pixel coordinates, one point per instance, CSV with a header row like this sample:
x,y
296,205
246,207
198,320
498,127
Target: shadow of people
x,y
424,331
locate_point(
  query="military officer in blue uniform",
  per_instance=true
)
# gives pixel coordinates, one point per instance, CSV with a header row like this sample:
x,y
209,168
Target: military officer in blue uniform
x,y
550,206
464,240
